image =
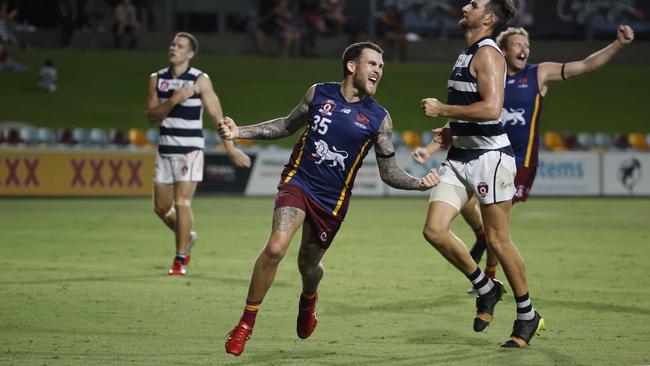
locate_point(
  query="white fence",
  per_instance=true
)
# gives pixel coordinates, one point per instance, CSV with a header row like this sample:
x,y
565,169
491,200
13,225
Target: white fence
x,y
589,174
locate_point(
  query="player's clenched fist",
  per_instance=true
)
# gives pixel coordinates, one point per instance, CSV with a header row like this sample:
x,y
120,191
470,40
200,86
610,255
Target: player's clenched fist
x,y
227,129
625,34
432,107
429,181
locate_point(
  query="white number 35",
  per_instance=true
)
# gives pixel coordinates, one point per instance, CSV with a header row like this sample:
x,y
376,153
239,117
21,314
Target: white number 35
x,y
320,124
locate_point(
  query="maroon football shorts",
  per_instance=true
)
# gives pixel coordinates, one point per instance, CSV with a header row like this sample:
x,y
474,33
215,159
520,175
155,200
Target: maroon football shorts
x,y
523,182
323,225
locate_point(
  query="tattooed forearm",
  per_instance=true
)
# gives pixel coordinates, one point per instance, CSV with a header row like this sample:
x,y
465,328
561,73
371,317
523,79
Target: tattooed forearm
x,y
390,173
394,176
287,218
279,127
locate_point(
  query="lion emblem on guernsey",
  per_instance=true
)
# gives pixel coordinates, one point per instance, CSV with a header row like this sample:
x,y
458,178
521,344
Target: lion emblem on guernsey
x,y
513,116
323,153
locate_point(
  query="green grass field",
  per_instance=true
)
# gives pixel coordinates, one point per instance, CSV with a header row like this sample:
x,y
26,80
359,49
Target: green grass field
x,y
84,282
108,89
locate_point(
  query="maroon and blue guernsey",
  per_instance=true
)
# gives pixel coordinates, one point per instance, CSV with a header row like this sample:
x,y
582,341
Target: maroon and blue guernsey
x,y
327,157
521,110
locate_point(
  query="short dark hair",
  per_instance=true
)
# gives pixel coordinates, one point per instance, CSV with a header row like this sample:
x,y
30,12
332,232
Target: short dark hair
x,y
504,10
193,42
354,51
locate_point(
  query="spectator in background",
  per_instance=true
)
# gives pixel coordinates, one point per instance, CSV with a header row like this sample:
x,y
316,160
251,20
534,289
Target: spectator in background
x,y
126,24
391,28
334,17
6,23
47,76
325,16
283,23
68,13
253,24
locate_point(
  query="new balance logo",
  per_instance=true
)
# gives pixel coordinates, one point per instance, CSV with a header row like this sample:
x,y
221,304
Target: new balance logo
x,y
346,110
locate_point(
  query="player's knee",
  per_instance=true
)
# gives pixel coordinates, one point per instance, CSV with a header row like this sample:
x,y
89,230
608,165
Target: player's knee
x,y
274,251
497,241
309,267
163,210
183,202
434,234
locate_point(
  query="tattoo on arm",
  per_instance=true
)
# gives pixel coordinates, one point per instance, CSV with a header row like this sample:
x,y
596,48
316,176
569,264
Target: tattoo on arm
x,y
286,219
279,127
390,173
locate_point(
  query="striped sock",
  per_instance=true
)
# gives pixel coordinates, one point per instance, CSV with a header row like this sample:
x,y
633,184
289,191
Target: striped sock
x,y
481,283
181,256
250,312
525,309
490,271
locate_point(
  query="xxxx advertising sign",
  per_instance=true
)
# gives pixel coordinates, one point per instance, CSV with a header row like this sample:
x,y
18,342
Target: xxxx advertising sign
x,y
75,173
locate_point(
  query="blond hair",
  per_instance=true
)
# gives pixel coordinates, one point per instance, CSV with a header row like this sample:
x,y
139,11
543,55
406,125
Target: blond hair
x,y
502,38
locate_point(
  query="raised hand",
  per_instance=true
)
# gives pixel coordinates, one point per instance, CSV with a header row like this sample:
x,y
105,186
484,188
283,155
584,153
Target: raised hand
x,y
625,34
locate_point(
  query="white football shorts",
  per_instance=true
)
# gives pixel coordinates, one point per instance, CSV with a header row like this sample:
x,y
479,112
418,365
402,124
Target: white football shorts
x,y
179,168
491,178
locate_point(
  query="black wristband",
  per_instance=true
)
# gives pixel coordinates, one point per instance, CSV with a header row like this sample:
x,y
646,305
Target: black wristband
x,y
562,73
385,156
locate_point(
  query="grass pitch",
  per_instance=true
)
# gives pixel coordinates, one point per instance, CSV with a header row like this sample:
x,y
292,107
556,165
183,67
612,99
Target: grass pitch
x,y
84,282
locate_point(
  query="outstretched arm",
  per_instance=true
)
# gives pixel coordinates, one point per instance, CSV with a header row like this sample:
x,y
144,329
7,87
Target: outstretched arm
x,y
213,107
553,71
389,172
272,129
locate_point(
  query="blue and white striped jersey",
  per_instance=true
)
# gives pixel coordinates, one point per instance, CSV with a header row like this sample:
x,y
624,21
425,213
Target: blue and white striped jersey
x,y
470,139
181,132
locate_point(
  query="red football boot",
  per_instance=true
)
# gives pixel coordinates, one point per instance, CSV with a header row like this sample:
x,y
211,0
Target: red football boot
x,y
307,320
237,338
177,268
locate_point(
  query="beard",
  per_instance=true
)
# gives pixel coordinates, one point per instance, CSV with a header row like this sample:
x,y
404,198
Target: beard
x,y
361,83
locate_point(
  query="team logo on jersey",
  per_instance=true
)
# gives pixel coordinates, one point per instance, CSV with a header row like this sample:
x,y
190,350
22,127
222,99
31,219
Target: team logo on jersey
x,y
323,236
324,154
362,121
164,85
327,107
513,116
522,83
482,189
